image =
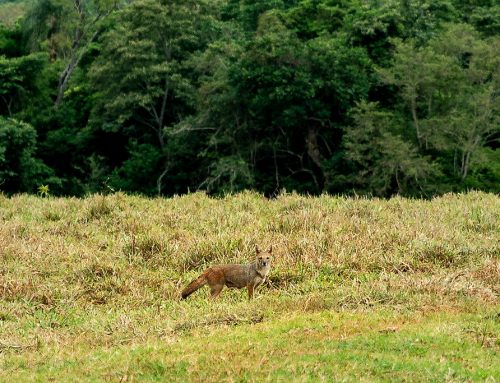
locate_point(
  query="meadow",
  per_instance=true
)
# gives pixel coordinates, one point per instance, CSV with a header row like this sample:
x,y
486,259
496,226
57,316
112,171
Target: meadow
x,y
362,290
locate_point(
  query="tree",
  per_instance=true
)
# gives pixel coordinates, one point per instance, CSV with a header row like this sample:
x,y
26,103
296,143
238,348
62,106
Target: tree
x,y
141,83
277,105
483,15
384,162
450,88
66,28
20,171
166,96
247,12
18,80
414,71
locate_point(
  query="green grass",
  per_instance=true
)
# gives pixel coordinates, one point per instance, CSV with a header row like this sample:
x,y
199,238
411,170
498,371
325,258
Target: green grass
x,y
362,290
307,347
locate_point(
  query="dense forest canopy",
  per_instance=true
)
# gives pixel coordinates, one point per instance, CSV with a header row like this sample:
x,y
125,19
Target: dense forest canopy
x,y
165,97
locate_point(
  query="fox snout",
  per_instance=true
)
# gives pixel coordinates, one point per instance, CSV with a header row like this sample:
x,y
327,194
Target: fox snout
x,y
264,257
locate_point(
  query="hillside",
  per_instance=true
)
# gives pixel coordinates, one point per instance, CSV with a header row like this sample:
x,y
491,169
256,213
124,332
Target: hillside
x,y
362,290
11,11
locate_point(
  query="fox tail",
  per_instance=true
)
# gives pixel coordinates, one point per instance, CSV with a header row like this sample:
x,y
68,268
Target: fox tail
x,y
194,285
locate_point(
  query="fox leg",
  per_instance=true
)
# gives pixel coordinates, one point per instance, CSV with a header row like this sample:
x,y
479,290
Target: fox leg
x,y
250,291
215,290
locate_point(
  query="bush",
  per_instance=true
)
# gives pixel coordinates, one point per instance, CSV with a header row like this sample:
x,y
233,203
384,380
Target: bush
x,y
19,169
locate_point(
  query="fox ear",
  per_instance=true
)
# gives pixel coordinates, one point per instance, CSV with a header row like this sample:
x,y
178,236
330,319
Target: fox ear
x,y
270,249
257,250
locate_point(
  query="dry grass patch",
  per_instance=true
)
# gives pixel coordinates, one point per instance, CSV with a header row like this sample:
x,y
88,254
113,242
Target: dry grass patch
x,y
100,277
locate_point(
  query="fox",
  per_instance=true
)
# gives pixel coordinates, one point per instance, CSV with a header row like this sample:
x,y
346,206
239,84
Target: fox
x,y
238,276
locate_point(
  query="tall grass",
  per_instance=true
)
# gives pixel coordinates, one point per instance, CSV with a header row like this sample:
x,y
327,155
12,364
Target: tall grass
x,y
106,271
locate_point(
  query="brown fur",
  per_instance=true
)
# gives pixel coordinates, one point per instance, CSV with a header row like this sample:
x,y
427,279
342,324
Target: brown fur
x,y
250,276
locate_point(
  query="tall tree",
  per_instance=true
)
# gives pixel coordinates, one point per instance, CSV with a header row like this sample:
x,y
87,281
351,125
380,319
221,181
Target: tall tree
x,y
139,76
18,80
278,105
450,88
67,28
383,162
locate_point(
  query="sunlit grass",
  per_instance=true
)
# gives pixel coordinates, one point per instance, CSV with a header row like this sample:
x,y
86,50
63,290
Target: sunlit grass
x,y
362,290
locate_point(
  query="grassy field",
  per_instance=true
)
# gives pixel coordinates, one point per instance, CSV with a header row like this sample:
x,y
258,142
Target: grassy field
x,y
362,290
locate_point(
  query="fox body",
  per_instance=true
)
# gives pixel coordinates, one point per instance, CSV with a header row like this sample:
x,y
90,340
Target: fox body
x,y
249,275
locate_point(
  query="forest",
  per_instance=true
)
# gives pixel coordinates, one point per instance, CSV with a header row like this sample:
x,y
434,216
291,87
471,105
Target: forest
x,y
164,97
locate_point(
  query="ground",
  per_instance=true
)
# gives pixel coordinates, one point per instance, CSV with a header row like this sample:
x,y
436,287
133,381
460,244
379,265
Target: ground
x,y
361,289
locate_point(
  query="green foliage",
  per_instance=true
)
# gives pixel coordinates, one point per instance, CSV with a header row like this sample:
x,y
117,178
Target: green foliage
x,y
44,190
484,15
247,12
339,96
9,41
228,175
18,81
284,93
450,89
385,162
140,79
20,171
135,172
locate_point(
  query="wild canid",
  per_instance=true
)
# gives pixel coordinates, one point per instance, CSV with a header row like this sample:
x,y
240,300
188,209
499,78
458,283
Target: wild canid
x,y
250,276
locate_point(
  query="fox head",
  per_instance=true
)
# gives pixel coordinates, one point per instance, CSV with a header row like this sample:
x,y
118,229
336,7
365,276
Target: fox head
x,y
264,257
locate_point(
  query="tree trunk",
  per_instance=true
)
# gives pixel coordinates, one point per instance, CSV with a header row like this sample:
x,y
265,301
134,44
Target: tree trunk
x,y
413,107
76,57
159,180
276,170
77,51
64,79
467,156
8,104
315,154
162,114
